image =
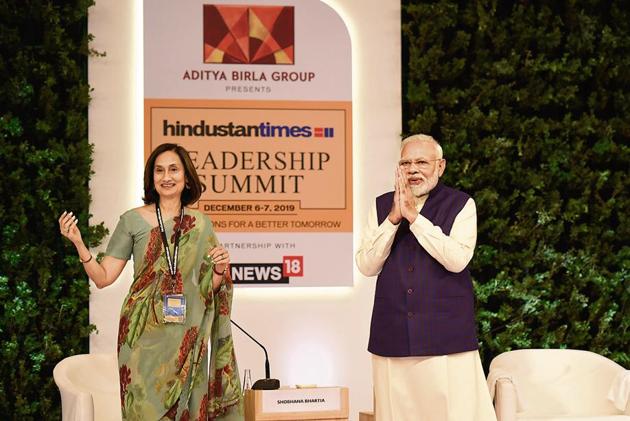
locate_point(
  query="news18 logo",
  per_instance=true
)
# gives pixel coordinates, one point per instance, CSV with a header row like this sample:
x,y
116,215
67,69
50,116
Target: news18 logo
x,y
268,273
237,34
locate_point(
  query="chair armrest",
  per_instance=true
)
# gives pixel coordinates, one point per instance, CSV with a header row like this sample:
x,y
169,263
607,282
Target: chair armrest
x,y
505,401
76,404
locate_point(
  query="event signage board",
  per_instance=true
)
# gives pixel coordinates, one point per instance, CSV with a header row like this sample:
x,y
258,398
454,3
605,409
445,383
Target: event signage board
x,y
260,94
314,399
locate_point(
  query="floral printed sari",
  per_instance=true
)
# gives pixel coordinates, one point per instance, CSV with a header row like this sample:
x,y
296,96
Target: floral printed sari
x,y
164,370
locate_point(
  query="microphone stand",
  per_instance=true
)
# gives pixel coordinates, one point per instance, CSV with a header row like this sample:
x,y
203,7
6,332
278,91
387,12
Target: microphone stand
x,y
267,383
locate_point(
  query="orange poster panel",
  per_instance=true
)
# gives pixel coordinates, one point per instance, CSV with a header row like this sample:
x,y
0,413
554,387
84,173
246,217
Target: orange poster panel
x,y
268,166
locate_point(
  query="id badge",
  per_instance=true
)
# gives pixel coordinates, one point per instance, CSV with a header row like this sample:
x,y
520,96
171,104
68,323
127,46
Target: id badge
x,y
174,308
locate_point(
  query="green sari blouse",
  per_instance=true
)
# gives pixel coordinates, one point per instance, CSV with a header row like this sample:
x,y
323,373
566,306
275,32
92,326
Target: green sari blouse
x,y
164,370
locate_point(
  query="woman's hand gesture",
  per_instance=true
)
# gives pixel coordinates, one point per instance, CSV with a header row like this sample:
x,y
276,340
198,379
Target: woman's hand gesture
x,y
221,259
68,227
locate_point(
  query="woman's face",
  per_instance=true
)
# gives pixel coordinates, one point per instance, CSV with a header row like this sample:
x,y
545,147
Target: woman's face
x,y
169,177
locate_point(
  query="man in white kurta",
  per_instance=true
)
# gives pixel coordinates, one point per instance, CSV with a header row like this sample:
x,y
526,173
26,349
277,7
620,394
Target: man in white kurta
x,y
449,387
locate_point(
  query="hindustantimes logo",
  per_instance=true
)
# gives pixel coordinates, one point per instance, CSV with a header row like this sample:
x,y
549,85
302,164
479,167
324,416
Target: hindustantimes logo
x,y
247,34
230,129
268,273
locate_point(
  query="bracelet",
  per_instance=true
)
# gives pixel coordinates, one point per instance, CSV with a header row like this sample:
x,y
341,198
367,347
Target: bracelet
x,y
219,273
85,261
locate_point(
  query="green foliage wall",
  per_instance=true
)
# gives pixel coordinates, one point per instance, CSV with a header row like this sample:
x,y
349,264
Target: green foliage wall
x,y
45,168
531,101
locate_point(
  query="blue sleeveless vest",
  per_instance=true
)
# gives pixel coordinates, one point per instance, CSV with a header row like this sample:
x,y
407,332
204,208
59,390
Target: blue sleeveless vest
x,y
420,308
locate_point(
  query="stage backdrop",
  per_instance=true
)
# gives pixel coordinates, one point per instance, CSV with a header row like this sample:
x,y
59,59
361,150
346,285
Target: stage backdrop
x,y
313,335
260,94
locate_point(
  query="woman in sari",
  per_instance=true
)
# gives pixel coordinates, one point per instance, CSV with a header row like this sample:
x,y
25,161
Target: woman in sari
x,y
179,301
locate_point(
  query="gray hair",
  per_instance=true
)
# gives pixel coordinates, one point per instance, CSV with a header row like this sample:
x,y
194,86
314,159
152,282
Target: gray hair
x,y
423,138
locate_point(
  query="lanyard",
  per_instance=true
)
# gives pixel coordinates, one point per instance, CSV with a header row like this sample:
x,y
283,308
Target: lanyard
x,y
172,263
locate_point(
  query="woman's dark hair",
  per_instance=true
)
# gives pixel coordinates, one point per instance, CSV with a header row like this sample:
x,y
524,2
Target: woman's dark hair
x,y
194,187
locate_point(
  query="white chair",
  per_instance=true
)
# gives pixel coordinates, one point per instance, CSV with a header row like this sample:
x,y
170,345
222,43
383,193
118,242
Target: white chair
x,y
88,384
558,385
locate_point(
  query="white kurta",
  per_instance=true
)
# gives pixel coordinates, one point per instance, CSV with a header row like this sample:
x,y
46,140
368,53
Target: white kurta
x,y
437,388
453,251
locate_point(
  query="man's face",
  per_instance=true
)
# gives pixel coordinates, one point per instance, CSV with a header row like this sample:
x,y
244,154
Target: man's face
x,y
421,166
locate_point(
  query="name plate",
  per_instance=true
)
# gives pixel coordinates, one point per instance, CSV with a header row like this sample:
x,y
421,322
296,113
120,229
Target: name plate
x,y
318,399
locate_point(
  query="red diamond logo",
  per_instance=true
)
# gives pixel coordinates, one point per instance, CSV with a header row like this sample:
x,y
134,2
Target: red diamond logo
x,y
248,34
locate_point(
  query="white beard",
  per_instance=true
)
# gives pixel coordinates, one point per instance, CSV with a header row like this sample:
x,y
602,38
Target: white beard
x,y
427,185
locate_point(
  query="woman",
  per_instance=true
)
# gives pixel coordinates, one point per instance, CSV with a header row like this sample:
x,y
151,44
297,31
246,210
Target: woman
x,y
179,299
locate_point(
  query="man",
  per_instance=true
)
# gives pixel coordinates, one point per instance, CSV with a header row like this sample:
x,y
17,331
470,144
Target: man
x,y
419,240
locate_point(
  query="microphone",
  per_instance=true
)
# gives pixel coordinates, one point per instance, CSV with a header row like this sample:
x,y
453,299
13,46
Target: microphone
x,y
267,383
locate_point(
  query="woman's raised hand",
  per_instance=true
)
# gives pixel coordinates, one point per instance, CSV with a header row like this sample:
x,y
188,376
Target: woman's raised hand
x,y
220,257
68,226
